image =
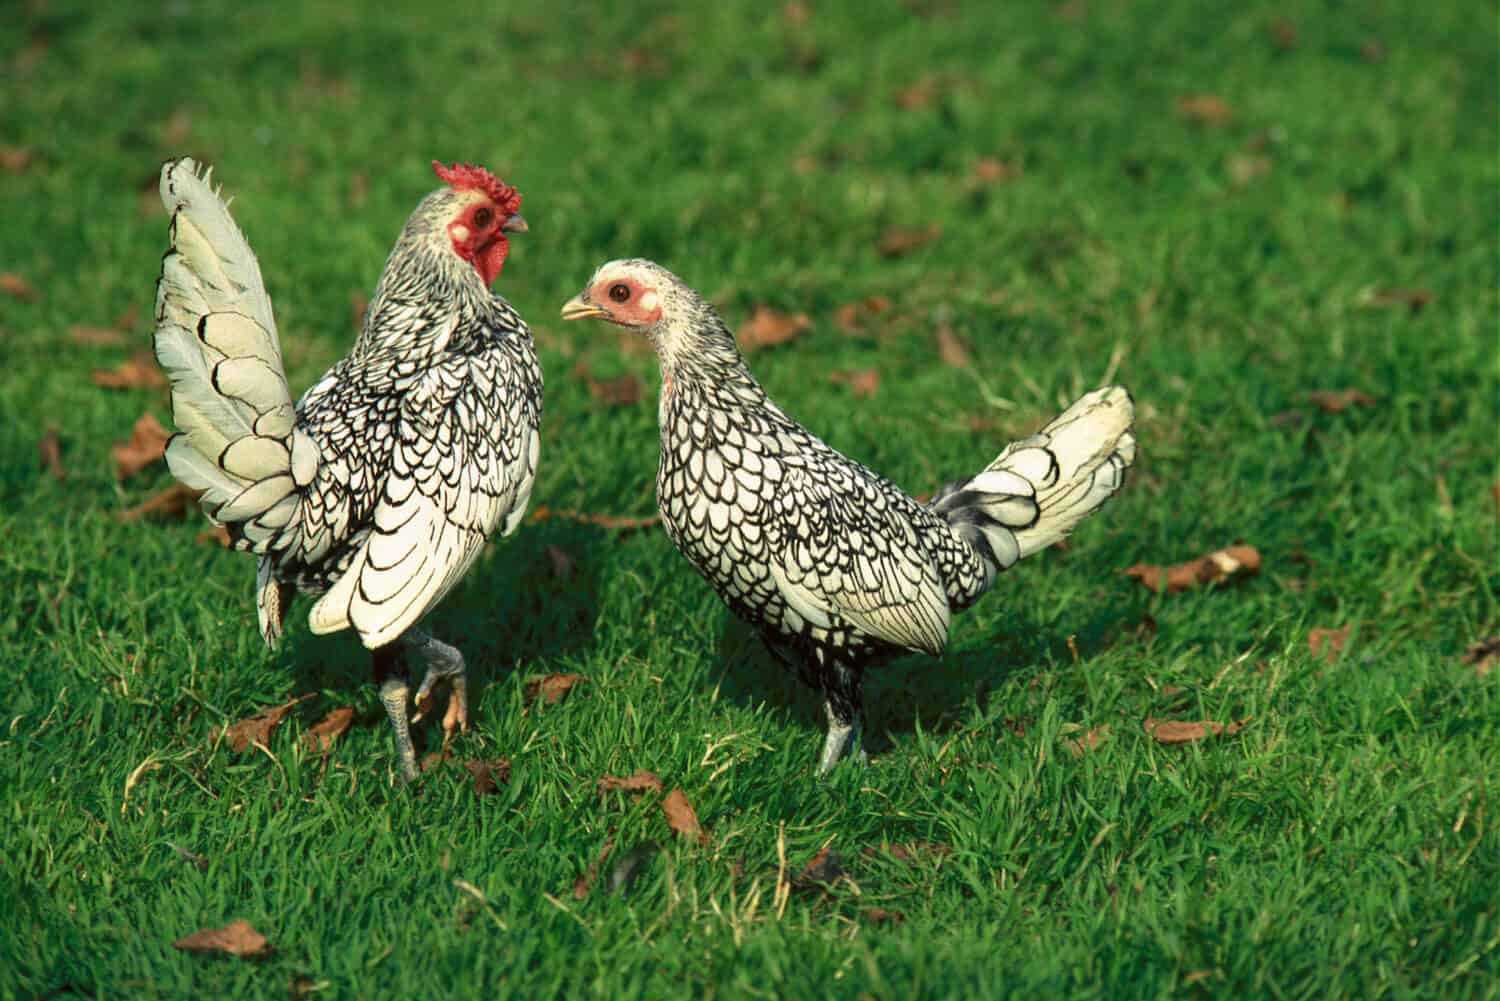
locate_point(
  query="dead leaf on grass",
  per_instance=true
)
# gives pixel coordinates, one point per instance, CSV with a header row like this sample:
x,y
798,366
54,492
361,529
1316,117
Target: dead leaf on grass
x,y
16,286
768,326
586,878
850,317
238,938
1327,643
795,13
681,816
216,534
1086,742
918,94
1283,34
1483,655
824,867
881,916
1224,564
96,337
640,780
1180,731
147,444
488,776
991,170
862,382
1246,167
173,502
1334,401
900,240
322,734
1210,109
550,688
1414,299
952,350
49,454
14,158
256,729
139,371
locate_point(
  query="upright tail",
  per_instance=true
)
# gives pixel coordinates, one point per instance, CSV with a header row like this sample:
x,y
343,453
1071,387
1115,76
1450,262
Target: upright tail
x,y
237,439
1039,488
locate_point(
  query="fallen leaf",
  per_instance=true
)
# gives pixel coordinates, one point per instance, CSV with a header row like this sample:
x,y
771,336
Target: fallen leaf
x,y
322,734
1209,109
621,522
990,170
1283,34
900,240
433,759
917,95
172,502
359,188
1088,741
795,13
1327,642
49,454
139,371
640,780
1483,656
1246,167
951,348
862,382
15,286
217,534
95,337
768,326
850,316
681,816
550,688
881,916
1414,299
147,444
237,938
178,128
14,158
255,729
359,305
1178,731
824,867
488,776
562,564
586,878
1333,401
1222,565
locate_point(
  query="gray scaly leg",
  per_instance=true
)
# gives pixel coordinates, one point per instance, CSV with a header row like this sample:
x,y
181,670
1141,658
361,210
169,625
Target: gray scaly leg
x,y
843,736
444,663
391,675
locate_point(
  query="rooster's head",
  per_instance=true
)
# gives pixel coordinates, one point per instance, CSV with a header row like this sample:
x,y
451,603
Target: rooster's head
x,y
481,209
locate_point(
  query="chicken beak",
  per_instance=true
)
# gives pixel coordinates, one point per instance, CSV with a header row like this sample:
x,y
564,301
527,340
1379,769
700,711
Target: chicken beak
x,y
579,308
515,224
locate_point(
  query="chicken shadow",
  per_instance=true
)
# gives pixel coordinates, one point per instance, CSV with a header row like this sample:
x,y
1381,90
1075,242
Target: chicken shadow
x,y
934,693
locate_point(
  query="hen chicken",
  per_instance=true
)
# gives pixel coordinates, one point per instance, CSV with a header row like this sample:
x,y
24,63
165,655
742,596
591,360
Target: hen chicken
x,y
378,488
836,567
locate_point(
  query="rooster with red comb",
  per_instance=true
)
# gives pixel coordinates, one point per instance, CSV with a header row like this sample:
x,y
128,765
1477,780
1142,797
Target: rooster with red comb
x,y
376,490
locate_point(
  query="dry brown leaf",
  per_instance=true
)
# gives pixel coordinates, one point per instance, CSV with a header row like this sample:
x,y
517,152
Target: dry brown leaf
x,y
359,188
1327,643
1333,401
488,776
1224,564
1180,731
990,170
216,534
621,522
1081,745
432,759
1209,109
862,382
1484,655
237,938
96,337
951,348
1246,167
586,878
139,371
881,916
681,816
15,286
256,729
147,444
1283,34
795,13
824,867
49,454
850,316
900,240
639,781
550,688
172,502
917,95
14,158
322,734
768,326
1414,299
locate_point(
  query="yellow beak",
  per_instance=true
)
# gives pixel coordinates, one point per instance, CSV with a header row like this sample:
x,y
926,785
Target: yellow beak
x,y
579,308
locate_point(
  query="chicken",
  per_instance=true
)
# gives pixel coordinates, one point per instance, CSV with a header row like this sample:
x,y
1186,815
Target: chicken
x,y
836,567
376,491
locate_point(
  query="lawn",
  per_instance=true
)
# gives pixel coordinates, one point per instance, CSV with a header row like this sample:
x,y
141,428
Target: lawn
x,y
990,207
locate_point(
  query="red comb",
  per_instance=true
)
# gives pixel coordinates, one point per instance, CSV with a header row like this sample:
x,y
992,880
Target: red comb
x,y
464,176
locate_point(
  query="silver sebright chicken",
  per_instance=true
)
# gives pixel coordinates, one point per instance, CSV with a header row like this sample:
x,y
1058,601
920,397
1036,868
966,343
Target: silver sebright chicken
x,y
377,489
836,566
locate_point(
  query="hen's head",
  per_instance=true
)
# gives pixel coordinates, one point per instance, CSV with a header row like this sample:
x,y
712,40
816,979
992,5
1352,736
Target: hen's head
x,y
478,211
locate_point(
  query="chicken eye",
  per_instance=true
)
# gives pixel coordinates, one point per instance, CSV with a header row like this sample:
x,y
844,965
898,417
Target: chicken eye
x,y
619,292
483,216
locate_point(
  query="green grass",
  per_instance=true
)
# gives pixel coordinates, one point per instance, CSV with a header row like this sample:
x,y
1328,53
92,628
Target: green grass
x,y
1342,844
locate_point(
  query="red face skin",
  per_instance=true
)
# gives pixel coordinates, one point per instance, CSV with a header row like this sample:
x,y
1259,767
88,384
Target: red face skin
x,y
627,307
478,239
